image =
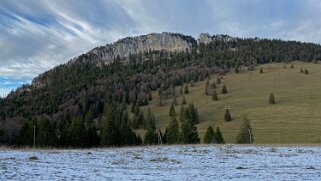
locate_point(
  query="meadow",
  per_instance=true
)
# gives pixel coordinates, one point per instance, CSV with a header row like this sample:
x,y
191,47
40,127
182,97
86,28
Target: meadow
x,y
295,118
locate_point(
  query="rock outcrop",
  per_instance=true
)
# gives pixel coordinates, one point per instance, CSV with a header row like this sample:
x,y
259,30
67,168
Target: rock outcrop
x,y
207,38
172,42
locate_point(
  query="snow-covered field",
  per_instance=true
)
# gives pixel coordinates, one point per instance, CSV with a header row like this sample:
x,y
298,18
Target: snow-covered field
x,y
197,162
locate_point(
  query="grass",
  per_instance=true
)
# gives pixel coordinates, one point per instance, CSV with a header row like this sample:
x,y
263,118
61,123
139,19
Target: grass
x,y
295,118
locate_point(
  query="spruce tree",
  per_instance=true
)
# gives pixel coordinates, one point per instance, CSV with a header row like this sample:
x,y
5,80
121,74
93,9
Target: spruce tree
x,y
46,135
224,90
172,134
189,133
210,136
219,136
93,138
150,137
110,134
77,133
214,96
271,99
172,111
245,135
227,116
186,91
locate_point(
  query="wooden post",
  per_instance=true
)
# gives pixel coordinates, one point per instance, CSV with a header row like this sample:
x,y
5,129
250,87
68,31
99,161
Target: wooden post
x,y
34,136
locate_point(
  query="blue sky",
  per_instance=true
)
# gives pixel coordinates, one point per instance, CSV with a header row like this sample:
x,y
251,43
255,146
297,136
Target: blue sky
x,y
36,35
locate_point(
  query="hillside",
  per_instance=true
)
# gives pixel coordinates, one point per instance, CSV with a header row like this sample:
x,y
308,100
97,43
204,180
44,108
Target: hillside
x,y
94,88
295,118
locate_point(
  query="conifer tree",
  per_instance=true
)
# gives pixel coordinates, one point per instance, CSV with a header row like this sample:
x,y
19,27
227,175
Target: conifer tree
x,y
172,134
186,91
301,70
271,99
77,133
306,71
172,111
110,133
189,133
46,135
261,70
224,90
150,95
292,66
94,139
150,135
227,116
210,136
214,96
245,135
219,136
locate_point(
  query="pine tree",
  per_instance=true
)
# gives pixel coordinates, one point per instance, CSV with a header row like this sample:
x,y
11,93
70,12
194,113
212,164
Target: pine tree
x,y
172,134
172,111
227,116
245,135
271,99
261,70
214,96
183,101
150,135
301,70
306,71
186,91
224,90
210,136
292,66
219,136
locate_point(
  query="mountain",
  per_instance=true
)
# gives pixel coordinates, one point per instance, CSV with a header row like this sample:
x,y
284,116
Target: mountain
x,y
129,71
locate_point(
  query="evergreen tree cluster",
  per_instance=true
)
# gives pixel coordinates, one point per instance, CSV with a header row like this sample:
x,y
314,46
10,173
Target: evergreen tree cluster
x,y
212,136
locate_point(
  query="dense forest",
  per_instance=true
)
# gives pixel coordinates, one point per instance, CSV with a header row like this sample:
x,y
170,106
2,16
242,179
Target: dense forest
x,y
87,103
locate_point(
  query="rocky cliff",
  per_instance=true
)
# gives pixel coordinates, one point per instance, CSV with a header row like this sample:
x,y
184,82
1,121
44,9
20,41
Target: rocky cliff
x,y
172,42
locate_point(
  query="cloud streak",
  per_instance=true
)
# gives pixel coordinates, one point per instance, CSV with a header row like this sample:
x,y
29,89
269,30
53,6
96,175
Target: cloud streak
x,y
38,35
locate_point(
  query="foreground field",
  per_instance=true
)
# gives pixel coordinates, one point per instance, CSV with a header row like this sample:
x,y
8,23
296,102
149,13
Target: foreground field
x,y
295,118
225,162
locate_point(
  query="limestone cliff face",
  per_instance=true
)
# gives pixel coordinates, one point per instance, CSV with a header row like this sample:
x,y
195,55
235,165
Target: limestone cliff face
x,y
207,38
171,42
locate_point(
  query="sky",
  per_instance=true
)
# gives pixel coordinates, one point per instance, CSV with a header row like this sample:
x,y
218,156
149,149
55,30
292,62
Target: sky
x,y
36,35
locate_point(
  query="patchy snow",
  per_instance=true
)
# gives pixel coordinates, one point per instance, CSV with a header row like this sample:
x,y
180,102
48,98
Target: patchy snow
x,y
199,162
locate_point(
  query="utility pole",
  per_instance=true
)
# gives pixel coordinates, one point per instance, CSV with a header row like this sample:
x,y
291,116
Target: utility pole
x,y
34,136
250,136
